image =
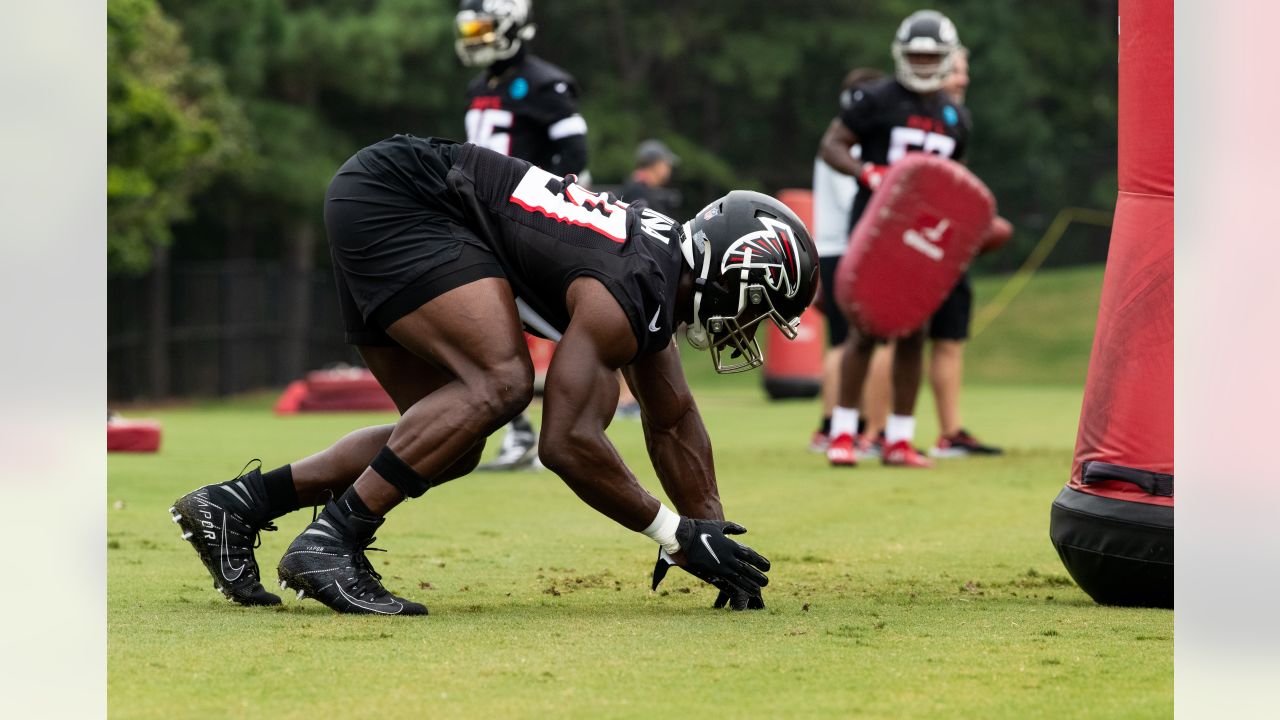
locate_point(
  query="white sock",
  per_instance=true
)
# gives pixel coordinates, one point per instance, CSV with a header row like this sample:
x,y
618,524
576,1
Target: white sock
x,y
900,427
844,421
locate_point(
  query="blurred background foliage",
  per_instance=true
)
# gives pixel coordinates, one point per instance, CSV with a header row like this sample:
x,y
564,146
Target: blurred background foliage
x,y
228,117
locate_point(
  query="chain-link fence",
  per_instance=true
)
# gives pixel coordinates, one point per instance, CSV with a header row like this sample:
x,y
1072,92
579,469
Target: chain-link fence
x,y
218,328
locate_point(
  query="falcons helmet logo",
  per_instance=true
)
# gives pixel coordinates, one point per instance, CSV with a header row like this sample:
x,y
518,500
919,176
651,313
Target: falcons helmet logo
x,y
772,250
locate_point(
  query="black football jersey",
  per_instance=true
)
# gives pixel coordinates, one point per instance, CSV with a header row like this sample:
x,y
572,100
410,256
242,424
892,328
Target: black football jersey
x,y
890,121
523,110
546,233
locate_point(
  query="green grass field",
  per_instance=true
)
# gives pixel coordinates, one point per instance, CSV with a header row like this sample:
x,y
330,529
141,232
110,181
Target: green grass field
x,y
894,594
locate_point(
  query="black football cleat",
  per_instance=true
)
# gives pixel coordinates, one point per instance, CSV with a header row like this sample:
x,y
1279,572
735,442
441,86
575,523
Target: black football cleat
x,y
962,444
222,523
327,563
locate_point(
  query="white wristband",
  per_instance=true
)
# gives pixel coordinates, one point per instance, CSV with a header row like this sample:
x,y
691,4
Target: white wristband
x,y
663,529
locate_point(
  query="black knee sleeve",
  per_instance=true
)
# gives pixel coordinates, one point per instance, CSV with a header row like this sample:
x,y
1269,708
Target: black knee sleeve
x,y
398,472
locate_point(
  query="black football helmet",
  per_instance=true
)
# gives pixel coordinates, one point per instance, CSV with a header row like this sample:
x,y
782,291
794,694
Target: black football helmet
x,y
752,259
492,30
924,50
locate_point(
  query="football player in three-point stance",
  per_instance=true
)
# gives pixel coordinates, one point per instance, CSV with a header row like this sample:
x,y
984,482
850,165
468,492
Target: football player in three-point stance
x,y
432,242
889,118
525,107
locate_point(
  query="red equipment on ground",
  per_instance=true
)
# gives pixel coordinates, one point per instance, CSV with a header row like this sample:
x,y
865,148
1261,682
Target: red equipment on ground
x,y
918,234
355,389
793,368
540,352
132,435
334,390
1113,523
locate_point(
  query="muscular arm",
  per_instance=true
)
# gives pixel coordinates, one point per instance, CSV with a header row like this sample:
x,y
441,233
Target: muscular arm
x,y
834,148
580,398
674,434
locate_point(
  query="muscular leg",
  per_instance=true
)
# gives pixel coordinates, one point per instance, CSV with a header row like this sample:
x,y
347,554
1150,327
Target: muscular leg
x,y
473,333
946,370
856,358
853,368
908,367
331,471
831,365
877,394
407,379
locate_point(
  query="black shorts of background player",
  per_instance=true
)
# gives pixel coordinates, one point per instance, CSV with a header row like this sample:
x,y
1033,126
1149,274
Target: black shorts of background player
x,y
522,106
432,242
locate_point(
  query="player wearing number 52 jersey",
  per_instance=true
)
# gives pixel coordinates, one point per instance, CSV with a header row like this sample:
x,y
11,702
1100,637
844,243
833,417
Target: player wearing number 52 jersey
x,y
890,118
432,243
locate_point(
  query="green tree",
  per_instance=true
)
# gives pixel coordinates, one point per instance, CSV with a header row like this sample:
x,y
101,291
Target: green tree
x,y
170,127
318,80
744,90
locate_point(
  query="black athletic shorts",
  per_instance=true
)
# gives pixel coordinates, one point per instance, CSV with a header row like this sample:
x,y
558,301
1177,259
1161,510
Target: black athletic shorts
x,y
837,325
951,321
395,239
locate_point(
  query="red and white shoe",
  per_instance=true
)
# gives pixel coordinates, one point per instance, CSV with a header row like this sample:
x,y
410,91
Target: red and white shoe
x,y
819,443
842,452
902,454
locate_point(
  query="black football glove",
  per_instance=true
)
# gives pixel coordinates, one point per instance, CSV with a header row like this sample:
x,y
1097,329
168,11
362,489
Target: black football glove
x,y
735,569
738,600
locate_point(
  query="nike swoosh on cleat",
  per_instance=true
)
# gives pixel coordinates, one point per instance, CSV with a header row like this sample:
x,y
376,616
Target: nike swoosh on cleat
x,y
381,608
707,545
226,562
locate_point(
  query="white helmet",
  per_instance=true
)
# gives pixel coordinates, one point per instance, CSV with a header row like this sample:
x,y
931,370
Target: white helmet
x,y
491,30
925,33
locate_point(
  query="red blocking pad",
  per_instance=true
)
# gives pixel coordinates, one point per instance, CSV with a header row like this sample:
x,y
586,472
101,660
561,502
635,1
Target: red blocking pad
x,y
133,435
916,237
344,389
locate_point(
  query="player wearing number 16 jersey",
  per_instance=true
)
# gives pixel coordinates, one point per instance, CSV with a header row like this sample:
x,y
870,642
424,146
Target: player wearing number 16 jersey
x,y
432,242
521,106
890,118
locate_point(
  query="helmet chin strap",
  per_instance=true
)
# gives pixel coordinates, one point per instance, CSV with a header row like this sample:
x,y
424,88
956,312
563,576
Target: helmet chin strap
x,y
695,332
